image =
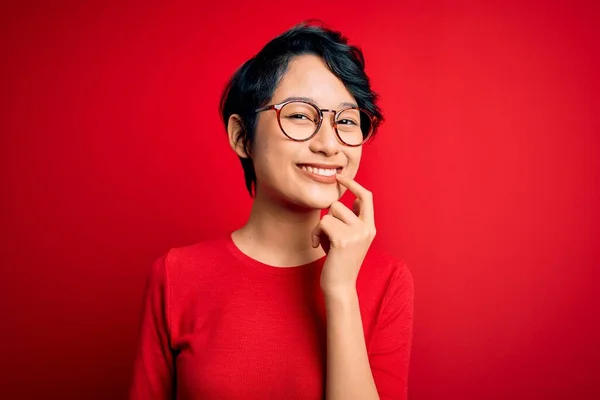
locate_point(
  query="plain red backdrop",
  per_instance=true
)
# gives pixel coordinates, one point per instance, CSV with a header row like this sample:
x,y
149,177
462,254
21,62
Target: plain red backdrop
x,y
485,178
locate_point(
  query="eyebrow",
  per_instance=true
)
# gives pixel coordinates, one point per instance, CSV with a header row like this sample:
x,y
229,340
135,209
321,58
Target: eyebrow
x,y
308,99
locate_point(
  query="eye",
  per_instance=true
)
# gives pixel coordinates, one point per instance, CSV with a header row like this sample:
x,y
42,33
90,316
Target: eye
x,y
346,121
298,116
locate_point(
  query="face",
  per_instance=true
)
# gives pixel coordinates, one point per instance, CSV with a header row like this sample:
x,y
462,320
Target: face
x,y
283,165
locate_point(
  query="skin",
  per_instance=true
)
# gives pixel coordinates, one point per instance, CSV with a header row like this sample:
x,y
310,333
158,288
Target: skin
x,y
285,227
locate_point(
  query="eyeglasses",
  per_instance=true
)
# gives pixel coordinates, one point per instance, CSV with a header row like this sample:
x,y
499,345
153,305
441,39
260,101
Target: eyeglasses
x,y
301,120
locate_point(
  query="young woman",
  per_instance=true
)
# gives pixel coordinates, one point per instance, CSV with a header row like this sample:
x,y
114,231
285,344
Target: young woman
x,y
291,305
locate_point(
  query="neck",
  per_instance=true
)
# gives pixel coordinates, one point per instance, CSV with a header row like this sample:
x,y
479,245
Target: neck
x,y
279,233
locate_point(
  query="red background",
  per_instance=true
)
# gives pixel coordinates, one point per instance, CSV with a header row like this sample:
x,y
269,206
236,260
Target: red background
x,y
485,179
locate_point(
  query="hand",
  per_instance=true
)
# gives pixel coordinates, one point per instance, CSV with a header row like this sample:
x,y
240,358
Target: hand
x,y
346,237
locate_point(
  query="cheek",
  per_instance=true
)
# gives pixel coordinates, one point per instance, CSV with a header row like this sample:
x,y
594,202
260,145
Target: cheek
x,y
270,156
354,161
261,147
261,158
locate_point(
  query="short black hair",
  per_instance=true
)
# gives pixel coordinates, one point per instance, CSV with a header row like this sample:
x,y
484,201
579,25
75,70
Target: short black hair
x,y
253,84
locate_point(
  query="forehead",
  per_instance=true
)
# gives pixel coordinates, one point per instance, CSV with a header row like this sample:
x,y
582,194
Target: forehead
x,y
308,76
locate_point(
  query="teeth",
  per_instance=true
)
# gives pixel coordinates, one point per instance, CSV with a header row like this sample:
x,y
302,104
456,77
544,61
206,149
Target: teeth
x,y
319,171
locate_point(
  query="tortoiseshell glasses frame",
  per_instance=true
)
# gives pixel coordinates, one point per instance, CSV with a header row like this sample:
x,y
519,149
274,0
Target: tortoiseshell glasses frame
x,y
320,111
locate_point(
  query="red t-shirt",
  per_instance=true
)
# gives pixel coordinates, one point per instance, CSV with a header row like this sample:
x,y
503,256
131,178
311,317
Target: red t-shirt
x,y
217,324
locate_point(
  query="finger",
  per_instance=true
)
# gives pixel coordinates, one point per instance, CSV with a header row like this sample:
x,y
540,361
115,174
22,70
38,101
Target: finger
x,y
315,235
366,212
343,213
317,232
356,206
327,226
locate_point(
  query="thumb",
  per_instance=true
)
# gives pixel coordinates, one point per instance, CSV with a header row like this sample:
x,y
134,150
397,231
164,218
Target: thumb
x,y
319,235
316,235
319,230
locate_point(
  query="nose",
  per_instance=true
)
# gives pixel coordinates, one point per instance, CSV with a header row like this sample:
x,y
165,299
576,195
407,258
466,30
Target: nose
x,y
326,141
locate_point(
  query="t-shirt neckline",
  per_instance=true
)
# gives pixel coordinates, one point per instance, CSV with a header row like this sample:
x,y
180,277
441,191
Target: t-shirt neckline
x,y
271,269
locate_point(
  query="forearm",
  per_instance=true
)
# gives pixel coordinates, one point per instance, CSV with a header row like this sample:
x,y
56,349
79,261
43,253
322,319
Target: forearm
x,y
348,371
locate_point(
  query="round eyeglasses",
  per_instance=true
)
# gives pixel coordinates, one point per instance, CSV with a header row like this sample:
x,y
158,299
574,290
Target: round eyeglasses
x,y
301,120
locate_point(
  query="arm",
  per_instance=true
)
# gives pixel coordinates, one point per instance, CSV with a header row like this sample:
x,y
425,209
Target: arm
x,y
382,372
348,371
352,373
153,373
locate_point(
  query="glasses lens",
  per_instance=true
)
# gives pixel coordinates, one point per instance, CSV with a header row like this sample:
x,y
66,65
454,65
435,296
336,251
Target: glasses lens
x,y
354,126
299,120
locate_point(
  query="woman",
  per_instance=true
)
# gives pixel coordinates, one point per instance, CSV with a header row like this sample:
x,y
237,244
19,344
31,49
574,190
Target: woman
x,y
291,305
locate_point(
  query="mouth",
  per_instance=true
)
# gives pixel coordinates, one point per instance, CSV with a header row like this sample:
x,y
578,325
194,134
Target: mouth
x,y
321,170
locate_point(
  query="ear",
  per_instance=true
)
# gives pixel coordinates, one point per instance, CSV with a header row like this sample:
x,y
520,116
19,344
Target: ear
x,y
234,130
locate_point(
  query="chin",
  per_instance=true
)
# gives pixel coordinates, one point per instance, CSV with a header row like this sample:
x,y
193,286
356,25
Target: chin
x,y
319,199
317,204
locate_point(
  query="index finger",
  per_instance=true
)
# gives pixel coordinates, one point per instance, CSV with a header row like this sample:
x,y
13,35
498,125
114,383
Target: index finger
x,y
366,212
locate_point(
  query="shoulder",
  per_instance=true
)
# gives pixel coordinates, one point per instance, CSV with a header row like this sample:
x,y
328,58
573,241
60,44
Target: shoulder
x,y
188,275
384,276
183,262
205,249
381,266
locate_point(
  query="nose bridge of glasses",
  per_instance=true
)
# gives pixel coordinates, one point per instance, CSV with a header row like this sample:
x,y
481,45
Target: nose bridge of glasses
x,y
331,137
326,110
322,112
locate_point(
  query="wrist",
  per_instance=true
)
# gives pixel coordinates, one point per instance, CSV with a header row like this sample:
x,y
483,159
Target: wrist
x,y
340,294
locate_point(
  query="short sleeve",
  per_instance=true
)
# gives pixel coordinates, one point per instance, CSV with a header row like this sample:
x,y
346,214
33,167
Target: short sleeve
x,y
153,373
390,350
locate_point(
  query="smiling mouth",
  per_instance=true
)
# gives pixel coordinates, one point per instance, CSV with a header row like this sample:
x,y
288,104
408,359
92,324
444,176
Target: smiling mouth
x,y
320,171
